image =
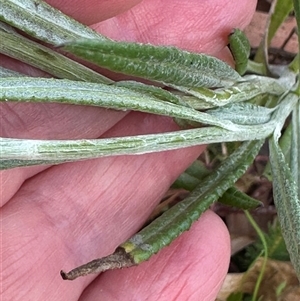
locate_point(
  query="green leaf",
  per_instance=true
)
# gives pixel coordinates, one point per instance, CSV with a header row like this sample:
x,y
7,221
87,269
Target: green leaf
x,y
162,231
231,197
285,146
286,200
167,65
240,48
107,96
192,176
152,91
265,257
234,197
40,20
23,49
282,9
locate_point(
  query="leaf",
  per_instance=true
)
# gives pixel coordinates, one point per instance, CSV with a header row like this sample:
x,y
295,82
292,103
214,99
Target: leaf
x,y
286,200
107,96
233,197
40,20
167,65
240,48
285,146
179,218
25,50
250,87
22,152
297,15
243,113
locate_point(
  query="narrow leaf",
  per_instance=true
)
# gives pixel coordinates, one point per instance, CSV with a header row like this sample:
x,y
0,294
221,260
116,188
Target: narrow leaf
x,y
40,20
179,218
167,65
250,87
107,96
56,151
286,201
235,198
285,146
43,58
231,197
243,113
240,48
297,15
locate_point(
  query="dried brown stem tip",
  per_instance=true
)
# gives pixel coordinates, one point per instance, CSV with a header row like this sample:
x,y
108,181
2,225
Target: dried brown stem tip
x,y
119,259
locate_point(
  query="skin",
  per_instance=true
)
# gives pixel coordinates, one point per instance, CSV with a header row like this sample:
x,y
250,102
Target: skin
x,y
58,217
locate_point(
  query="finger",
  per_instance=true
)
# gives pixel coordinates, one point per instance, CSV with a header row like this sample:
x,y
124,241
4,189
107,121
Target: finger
x,y
48,121
75,212
193,267
92,11
37,121
192,24
11,181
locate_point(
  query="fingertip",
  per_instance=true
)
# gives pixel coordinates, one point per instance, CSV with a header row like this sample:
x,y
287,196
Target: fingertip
x,y
92,11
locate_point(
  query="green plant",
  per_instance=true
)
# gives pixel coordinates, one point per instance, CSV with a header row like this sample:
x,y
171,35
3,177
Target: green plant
x,y
205,93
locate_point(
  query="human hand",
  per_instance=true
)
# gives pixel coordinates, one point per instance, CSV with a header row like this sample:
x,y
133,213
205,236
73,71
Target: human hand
x,y
62,216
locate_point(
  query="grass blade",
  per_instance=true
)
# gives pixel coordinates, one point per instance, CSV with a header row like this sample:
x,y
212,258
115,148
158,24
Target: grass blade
x,y
281,9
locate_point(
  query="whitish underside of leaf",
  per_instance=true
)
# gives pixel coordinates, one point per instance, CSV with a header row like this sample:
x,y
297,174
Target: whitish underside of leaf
x,y
40,20
107,96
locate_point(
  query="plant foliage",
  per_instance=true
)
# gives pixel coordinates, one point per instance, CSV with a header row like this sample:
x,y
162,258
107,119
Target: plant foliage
x,y
220,103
